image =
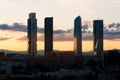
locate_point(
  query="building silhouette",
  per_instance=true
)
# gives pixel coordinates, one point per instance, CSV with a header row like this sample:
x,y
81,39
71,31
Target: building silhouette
x,y
32,34
77,36
48,35
98,37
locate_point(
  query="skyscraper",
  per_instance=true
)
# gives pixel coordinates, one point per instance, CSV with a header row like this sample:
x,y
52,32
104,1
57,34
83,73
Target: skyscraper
x,y
32,34
78,36
98,37
48,35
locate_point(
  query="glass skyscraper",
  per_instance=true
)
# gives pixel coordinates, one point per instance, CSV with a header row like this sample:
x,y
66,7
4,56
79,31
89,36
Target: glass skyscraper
x,y
48,35
77,36
32,34
98,37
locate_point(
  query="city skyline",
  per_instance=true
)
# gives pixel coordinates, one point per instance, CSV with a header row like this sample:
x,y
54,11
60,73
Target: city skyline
x,y
64,15
41,31
59,39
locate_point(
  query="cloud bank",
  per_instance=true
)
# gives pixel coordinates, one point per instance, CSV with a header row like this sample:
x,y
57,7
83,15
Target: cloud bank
x,y
111,32
4,38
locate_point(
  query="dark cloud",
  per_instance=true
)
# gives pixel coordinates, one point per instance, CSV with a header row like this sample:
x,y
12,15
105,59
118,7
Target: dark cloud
x,y
4,38
40,30
4,27
69,31
118,25
24,38
14,27
85,27
58,37
64,36
114,25
88,38
87,35
84,32
59,31
18,27
111,32
23,28
111,25
110,37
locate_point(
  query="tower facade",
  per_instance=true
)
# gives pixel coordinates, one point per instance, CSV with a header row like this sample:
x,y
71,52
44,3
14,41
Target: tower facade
x,y
32,34
77,36
48,35
98,37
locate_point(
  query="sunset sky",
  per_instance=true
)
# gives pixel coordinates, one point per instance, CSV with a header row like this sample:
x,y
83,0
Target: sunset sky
x,y
14,15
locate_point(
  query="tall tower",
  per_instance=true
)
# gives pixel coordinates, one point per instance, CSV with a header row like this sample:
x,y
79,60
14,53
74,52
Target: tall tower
x,y
32,34
98,37
48,35
78,36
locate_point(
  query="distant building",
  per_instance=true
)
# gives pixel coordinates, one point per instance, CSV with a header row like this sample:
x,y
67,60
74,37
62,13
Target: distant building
x,y
112,57
48,35
32,34
98,37
12,54
2,54
77,36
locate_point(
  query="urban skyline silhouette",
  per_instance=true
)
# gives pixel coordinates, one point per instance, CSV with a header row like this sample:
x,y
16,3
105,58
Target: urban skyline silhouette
x,y
59,40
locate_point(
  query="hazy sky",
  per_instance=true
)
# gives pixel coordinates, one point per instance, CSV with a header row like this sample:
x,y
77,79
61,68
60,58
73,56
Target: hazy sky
x,y
64,13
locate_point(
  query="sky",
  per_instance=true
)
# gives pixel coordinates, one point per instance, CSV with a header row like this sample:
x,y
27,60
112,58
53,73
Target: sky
x,y
14,15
